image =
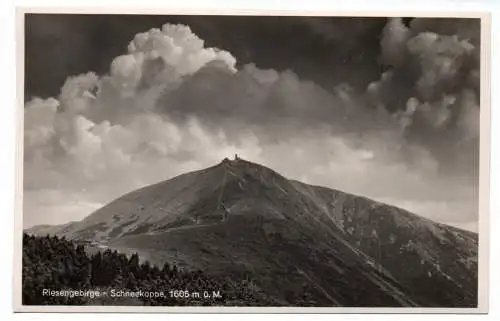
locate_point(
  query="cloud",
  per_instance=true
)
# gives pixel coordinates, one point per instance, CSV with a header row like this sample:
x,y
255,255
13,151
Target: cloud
x,y
464,28
432,84
49,206
395,35
171,105
428,64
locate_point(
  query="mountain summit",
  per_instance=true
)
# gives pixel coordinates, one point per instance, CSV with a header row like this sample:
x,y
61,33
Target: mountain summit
x,y
240,218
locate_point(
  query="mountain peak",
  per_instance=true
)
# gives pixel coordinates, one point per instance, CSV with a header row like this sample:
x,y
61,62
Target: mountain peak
x,y
241,167
238,214
236,161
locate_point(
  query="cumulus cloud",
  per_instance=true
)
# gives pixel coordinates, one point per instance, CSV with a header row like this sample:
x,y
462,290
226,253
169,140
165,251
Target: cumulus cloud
x,y
171,105
432,83
395,35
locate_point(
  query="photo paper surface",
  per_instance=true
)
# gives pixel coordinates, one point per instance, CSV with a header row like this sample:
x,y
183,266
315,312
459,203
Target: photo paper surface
x,y
230,162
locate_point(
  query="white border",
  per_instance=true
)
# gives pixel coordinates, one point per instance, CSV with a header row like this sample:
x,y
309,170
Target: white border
x,y
485,135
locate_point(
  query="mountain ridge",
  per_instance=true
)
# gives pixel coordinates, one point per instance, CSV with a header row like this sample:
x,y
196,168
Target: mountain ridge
x,y
338,242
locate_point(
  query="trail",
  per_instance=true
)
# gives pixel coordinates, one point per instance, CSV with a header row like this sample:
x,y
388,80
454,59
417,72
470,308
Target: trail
x,y
319,287
219,201
222,189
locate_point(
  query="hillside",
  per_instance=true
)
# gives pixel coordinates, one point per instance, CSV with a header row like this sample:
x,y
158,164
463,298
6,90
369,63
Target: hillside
x,y
240,217
107,278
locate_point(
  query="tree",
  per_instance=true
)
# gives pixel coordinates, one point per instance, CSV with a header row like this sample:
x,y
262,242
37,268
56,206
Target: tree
x,y
54,263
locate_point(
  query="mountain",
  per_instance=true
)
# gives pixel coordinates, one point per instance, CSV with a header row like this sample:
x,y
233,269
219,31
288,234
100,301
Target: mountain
x,y
239,217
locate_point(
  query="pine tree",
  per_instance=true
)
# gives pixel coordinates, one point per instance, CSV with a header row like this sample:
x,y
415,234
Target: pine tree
x,y
56,263
96,272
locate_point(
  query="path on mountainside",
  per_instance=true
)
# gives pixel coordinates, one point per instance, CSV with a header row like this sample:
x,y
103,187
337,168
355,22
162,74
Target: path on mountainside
x,y
221,194
217,207
219,201
317,285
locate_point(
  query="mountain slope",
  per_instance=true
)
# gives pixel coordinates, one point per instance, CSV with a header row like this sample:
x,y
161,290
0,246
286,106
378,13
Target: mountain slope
x,y
239,217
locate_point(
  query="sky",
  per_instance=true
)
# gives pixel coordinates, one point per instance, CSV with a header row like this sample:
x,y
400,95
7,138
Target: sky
x,y
387,108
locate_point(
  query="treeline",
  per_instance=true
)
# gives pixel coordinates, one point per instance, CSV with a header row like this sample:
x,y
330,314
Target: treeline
x,y
54,263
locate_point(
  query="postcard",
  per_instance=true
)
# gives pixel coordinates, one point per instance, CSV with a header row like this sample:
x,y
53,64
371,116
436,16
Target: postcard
x,y
252,162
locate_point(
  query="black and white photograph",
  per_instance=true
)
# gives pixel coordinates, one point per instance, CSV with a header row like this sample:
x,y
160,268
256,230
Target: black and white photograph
x,y
255,161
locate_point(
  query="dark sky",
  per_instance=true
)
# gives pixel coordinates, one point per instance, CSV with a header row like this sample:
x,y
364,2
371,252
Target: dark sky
x,y
326,50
